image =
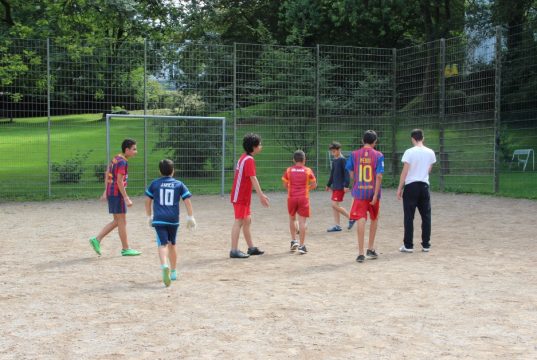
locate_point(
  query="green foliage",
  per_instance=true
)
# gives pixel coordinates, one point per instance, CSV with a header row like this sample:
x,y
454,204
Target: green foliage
x,y
100,172
71,170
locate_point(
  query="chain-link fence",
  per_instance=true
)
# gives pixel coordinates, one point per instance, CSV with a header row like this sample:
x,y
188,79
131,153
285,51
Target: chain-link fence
x,y
474,96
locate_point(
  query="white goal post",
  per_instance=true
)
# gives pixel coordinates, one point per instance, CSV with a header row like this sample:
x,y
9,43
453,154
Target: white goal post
x,y
193,119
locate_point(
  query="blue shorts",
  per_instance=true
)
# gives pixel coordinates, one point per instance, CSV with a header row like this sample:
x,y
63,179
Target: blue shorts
x,y
166,234
116,205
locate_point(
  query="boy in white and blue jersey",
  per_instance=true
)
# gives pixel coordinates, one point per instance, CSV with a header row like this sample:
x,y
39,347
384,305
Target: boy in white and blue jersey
x,y
163,196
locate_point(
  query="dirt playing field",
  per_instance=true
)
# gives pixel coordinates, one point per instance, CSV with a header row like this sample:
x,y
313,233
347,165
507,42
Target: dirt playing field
x,y
473,296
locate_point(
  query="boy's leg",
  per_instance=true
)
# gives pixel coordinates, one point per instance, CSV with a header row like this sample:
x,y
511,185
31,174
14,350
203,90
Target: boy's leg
x,y
172,256
372,233
424,208
302,227
409,209
246,231
163,255
235,233
361,235
292,226
107,229
340,210
121,220
335,212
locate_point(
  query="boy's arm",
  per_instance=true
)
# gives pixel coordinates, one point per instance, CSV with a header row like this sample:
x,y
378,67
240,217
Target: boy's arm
x,y
190,221
331,179
262,197
402,179
378,184
122,190
103,196
313,185
148,203
188,205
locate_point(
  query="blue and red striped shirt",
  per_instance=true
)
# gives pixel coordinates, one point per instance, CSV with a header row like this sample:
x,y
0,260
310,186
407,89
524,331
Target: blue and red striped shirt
x,y
118,165
366,163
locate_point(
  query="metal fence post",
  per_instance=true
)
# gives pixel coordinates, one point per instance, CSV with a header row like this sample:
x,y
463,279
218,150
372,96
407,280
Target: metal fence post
x,y
395,160
497,109
317,97
234,104
442,113
145,112
49,123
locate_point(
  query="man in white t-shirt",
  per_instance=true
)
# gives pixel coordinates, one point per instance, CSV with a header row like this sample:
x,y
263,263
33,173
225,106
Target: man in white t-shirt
x,y
418,162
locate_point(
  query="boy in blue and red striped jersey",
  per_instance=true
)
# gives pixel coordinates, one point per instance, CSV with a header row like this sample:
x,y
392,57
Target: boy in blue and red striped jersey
x,y
241,195
116,194
366,167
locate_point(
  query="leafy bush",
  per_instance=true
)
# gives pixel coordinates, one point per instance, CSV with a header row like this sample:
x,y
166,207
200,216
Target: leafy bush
x,y
100,172
71,170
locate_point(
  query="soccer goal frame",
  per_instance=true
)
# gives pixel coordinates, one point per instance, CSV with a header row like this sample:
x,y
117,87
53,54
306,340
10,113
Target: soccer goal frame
x,y
164,118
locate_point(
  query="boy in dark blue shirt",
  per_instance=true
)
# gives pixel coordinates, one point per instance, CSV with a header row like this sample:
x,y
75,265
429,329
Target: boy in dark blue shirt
x,y
339,184
164,194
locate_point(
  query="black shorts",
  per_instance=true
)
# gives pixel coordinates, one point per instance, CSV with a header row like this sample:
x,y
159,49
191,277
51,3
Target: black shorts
x,y
166,234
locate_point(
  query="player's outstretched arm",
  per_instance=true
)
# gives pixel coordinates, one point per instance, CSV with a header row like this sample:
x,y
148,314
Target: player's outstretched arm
x,y
190,220
262,197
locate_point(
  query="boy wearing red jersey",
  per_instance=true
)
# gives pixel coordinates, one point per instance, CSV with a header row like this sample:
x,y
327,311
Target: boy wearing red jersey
x,y
298,180
241,194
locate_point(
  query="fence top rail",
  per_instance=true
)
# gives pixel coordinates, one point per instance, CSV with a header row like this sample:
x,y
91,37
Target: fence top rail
x,y
218,118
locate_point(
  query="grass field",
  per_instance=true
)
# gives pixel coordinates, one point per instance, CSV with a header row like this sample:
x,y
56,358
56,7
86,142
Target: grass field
x,y
24,152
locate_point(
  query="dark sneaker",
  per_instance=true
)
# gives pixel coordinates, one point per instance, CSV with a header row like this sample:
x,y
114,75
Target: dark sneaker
x,y
405,250
302,249
426,249
371,254
360,258
294,245
351,224
255,251
237,254
334,228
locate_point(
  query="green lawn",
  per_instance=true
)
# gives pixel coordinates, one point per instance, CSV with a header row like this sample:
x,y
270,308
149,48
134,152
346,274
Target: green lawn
x,y
24,151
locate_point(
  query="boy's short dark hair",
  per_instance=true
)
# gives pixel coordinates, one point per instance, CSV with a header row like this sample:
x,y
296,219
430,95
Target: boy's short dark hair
x,y
166,167
334,146
417,134
127,144
299,156
250,141
370,137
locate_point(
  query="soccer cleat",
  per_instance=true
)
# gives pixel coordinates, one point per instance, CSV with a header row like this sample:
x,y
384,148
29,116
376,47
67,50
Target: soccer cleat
x,y
166,276
426,249
294,245
351,224
173,274
371,254
255,251
237,254
302,249
130,252
334,228
405,250
95,245
360,258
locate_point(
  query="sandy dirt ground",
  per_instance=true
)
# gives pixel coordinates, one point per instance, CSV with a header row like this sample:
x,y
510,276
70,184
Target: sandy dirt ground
x,y
474,296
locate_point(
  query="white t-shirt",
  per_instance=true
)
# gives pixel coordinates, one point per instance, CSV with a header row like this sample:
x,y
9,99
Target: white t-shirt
x,y
420,158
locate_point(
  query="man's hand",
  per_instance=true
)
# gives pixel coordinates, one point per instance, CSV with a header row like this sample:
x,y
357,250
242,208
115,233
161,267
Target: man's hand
x,y
346,189
103,196
150,220
191,223
128,201
327,188
264,200
374,200
399,193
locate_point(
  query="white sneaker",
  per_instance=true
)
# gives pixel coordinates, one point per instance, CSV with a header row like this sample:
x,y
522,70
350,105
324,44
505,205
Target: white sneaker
x,y
405,250
425,249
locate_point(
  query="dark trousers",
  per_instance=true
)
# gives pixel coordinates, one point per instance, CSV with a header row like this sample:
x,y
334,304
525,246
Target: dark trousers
x,y
416,195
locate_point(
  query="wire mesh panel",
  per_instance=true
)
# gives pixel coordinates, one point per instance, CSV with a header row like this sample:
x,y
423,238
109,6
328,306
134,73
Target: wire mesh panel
x,y
518,129
276,98
193,80
466,128
418,75
355,95
88,81
23,119
195,144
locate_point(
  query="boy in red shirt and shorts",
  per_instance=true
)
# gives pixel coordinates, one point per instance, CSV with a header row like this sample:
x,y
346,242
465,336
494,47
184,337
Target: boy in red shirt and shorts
x,y
298,180
366,166
241,195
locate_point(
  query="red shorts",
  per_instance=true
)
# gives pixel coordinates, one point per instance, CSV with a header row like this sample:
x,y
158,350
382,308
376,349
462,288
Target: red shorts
x,y
300,205
242,211
360,208
338,195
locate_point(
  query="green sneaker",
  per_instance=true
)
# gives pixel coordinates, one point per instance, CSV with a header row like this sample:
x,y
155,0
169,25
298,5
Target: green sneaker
x,y
166,276
173,275
130,252
95,245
